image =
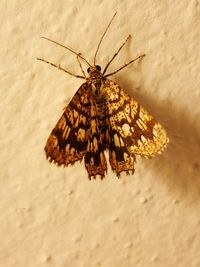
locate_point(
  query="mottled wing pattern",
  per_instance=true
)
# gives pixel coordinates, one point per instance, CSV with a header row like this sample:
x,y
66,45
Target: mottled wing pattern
x,y
95,161
132,130
68,141
77,135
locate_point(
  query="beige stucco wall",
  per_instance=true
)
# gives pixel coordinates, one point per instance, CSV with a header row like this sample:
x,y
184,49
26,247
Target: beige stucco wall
x,y
53,216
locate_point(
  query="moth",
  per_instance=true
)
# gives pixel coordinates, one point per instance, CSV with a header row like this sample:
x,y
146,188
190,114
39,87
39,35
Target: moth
x,y
103,117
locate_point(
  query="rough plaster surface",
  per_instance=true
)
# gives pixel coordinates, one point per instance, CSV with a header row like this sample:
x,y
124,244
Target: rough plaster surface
x,y
51,216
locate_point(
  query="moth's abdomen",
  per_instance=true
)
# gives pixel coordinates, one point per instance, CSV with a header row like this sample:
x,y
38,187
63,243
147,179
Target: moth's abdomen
x,y
101,105
101,110
100,101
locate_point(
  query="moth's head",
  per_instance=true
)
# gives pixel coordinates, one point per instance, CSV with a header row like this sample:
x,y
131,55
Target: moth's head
x,y
94,72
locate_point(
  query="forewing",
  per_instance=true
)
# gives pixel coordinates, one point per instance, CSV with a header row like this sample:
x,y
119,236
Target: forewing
x,y
131,125
68,140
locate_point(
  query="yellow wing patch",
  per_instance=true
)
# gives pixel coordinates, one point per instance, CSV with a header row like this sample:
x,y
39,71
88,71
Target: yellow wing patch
x,y
136,129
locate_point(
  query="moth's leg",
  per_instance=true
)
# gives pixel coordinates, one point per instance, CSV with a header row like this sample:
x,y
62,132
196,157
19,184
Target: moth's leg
x,y
61,68
114,56
125,65
78,58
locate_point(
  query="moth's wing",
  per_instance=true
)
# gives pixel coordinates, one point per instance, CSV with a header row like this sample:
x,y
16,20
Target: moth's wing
x,y
119,156
68,140
95,161
131,124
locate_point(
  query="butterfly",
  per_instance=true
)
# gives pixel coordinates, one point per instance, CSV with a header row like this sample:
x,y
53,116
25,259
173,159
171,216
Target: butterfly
x,y
101,117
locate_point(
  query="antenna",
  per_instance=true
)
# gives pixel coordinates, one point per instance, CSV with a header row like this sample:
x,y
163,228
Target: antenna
x,y
78,54
95,55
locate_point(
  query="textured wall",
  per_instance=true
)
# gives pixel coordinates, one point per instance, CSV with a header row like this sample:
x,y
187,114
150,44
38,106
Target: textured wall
x,y
51,216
